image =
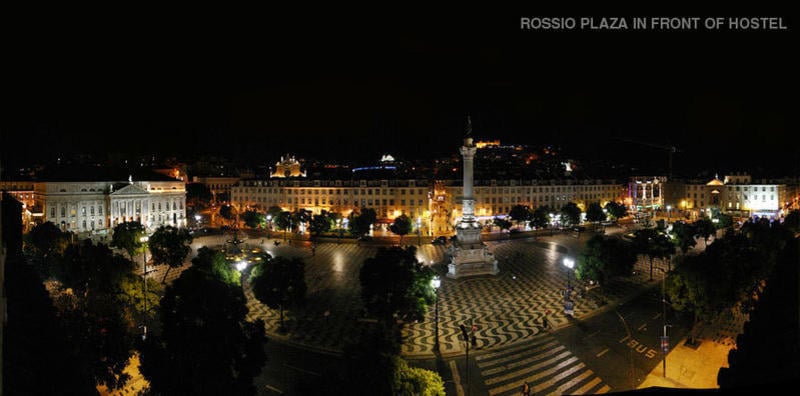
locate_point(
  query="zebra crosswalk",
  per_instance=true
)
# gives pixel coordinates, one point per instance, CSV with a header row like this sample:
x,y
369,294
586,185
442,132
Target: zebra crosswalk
x,y
545,364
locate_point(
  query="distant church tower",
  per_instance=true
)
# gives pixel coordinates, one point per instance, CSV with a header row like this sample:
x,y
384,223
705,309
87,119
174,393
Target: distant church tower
x,y
470,256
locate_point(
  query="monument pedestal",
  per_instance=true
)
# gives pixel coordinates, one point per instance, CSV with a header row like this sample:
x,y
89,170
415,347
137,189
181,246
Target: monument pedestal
x,y
470,256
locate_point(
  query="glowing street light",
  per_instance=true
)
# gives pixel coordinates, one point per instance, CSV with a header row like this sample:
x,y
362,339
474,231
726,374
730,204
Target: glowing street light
x,y
241,265
669,212
436,282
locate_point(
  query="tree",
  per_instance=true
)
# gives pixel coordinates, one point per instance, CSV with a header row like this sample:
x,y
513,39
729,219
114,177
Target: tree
x,y
229,213
47,241
541,217
416,381
395,286
684,235
301,216
284,221
170,245
254,219
594,212
207,347
97,313
320,223
279,283
361,221
127,236
401,226
691,287
572,213
603,258
649,242
520,213
502,223
792,221
38,357
616,210
705,229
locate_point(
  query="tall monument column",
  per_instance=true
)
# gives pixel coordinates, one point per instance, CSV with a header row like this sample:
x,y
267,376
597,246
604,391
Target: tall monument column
x,y
470,256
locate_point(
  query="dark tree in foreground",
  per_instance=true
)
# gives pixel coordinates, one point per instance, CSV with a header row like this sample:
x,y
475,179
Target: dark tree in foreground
x,y
37,357
279,283
46,241
207,346
170,246
99,317
401,226
395,286
127,236
766,356
792,221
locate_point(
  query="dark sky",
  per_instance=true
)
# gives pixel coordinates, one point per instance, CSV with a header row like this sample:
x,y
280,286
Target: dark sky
x,y
334,86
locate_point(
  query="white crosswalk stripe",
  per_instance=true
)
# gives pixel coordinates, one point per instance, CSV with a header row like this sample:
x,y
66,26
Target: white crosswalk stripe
x,y
545,364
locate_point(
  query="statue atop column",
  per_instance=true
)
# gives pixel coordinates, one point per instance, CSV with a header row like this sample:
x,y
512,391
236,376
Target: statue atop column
x,y
470,256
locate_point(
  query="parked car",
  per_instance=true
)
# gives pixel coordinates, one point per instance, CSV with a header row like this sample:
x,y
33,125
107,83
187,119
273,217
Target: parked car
x,y
440,240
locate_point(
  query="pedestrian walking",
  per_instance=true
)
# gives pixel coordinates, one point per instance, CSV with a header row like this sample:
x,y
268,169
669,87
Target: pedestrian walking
x,y
545,324
526,390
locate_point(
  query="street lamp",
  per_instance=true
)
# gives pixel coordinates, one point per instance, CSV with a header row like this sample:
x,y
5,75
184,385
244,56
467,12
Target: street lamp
x,y
241,265
664,337
569,263
419,233
269,226
436,282
669,213
568,304
143,239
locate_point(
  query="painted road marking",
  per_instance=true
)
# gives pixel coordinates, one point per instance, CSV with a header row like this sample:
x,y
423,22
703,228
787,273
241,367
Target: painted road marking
x,y
602,353
456,378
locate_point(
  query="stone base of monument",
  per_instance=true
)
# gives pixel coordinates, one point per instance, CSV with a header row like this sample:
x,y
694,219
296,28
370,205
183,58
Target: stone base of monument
x,y
471,260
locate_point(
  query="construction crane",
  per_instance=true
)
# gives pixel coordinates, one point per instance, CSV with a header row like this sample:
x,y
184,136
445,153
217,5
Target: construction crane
x,y
669,148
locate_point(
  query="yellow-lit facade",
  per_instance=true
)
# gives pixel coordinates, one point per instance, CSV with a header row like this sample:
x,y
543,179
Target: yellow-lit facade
x,y
438,202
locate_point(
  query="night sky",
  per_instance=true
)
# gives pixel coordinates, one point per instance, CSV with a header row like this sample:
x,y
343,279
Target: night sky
x,y
356,87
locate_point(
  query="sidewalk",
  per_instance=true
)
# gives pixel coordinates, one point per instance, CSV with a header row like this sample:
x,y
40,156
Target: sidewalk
x,y
690,368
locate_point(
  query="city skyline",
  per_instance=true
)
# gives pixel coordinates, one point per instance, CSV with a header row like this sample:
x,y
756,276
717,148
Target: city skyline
x,y
328,91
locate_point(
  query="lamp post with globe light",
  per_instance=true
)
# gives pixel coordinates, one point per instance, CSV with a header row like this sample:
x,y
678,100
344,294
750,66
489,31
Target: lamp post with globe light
x,y
568,304
436,282
143,239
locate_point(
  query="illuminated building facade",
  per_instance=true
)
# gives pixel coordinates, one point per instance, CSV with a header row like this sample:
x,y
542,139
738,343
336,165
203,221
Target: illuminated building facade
x,y
287,167
220,186
93,200
737,194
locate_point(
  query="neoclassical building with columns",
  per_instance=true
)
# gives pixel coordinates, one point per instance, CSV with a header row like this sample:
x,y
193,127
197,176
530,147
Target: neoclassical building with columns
x,y
96,203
